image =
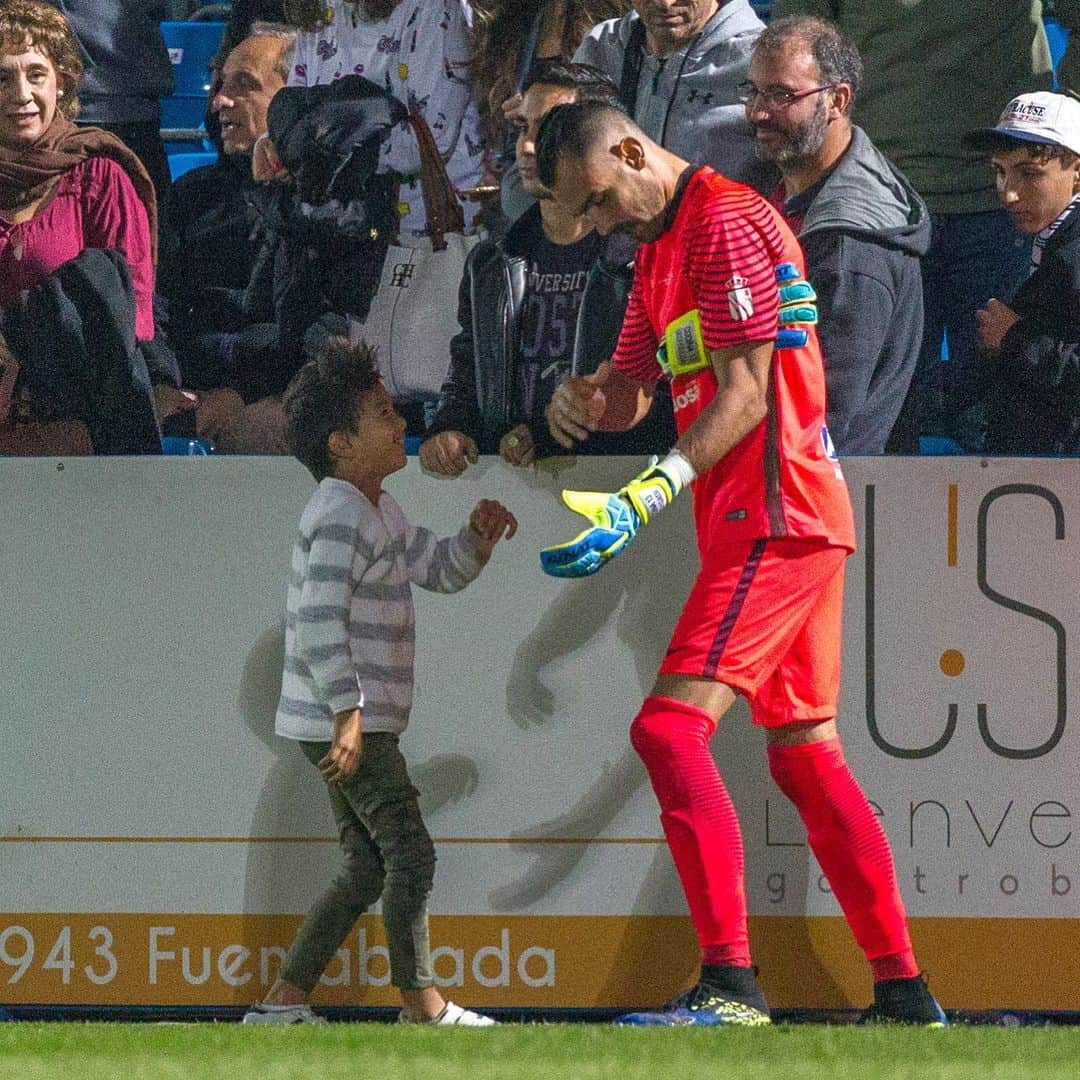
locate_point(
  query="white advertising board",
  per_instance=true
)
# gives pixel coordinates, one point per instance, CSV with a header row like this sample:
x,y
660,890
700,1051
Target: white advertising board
x,y
159,843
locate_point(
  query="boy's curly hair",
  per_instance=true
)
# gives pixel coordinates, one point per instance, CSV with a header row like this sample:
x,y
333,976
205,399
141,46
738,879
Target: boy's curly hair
x,y
323,397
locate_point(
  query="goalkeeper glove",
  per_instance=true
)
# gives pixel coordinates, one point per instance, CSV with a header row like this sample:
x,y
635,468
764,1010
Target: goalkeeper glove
x,y
615,517
797,308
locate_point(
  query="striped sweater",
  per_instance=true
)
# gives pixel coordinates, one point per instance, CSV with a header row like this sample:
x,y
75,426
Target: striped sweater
x,y
349,624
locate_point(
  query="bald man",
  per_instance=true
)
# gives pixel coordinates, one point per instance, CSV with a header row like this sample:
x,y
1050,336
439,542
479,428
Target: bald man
x,y
721,308
219,286
212,216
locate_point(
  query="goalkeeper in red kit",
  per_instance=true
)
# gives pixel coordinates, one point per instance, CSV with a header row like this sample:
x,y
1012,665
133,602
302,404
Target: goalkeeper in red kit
x,y
721,308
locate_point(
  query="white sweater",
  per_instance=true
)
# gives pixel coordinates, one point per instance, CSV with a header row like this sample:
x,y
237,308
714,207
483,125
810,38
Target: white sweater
x,y
420,54
349,624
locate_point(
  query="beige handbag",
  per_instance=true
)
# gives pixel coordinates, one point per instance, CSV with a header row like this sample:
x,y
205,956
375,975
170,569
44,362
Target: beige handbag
x,y
414,313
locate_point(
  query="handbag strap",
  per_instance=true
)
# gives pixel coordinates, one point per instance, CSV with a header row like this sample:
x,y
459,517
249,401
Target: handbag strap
x,y
441,204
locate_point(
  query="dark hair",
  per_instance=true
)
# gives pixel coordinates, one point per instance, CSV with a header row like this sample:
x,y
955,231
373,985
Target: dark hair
x,y
590,82
499,34
836,56
308,14
324,397
51,34
572,131
1000,143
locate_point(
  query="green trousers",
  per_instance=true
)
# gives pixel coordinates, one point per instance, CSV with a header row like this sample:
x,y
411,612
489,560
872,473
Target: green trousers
x,y
387,853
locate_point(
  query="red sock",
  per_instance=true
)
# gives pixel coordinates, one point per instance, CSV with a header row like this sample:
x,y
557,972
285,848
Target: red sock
x,y
851,846
699,821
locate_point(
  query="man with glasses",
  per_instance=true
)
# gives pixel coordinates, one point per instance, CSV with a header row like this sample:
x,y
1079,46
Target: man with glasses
x,y
933,71
861,224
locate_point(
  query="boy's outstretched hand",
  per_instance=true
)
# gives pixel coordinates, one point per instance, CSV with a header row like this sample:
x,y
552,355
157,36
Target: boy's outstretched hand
x,y
489,522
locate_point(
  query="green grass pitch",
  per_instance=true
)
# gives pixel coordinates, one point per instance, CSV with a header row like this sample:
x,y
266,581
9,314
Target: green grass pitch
x,y
29,1051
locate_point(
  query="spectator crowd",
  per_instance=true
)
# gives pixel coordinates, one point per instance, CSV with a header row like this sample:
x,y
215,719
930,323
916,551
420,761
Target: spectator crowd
x,y
377,180
658,227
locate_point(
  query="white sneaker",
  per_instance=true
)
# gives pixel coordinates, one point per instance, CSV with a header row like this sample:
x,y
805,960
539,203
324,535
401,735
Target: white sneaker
x,y
452,1015
281,1014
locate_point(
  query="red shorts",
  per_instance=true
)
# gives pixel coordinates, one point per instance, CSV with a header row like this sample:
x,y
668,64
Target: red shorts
x,y
767,622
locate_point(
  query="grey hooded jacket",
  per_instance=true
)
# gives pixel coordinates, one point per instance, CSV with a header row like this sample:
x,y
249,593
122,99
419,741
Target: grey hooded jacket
x,y
687,101
127,64
864,229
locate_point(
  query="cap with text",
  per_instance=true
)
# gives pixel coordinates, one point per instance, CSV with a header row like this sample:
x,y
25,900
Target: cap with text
x,y
1042,117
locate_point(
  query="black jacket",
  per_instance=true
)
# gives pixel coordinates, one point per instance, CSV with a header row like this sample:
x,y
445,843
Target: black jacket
x,y
1034,398
284,257
216,229
864,232
74,338
330,238
222,320
479,394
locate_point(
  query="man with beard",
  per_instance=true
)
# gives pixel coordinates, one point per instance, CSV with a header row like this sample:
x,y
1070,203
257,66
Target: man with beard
x,y
720,308
933,72
860,222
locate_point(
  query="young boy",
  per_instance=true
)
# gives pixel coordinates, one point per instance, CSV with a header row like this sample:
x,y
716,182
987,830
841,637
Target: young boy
x,y
348,678
1032,343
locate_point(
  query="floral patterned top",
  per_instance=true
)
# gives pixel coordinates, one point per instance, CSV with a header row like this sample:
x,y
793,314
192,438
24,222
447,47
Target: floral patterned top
x,y
420,53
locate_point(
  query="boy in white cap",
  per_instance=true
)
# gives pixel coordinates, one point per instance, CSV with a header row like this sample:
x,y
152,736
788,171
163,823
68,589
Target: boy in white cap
x,y
1034,342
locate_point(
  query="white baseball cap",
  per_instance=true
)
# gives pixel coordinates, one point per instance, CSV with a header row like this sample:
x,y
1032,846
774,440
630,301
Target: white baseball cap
x,y
1041,117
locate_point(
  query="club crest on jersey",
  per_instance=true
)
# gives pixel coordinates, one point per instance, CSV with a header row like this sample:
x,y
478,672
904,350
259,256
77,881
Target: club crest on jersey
x,y
739,301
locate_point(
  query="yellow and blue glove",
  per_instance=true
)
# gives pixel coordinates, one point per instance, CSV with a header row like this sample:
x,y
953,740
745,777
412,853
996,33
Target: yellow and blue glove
x,y
615,517
797,307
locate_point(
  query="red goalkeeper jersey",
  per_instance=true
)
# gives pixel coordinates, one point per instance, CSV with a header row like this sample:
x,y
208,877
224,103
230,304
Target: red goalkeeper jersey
x,y
709,282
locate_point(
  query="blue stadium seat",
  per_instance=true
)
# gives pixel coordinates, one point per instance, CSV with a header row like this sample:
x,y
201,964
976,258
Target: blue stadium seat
x,y
938,446
192,45
178,446
1058,37
183,161
183,111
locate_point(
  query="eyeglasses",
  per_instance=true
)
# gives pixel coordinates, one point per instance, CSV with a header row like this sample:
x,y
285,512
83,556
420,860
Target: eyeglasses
x,y
747,92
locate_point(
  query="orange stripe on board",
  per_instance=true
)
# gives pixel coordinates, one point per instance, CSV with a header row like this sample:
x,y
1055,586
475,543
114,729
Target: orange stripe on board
x,y
530,840
538,961
954,505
